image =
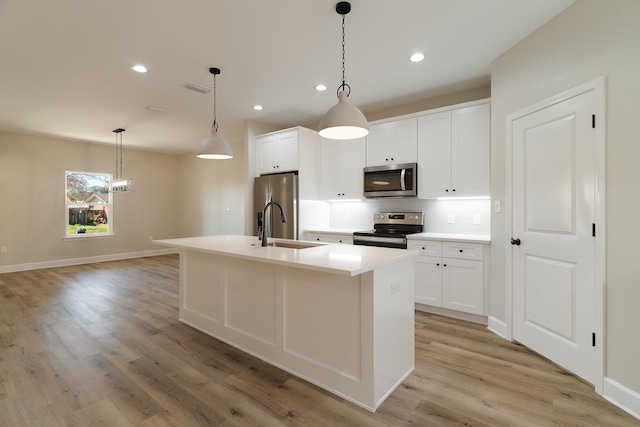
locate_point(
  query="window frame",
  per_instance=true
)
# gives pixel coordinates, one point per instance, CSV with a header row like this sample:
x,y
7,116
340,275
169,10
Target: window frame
x,y
108,207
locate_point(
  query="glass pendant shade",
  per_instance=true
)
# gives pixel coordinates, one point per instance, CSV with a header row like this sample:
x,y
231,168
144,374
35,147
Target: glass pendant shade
x,y
343,121
214,147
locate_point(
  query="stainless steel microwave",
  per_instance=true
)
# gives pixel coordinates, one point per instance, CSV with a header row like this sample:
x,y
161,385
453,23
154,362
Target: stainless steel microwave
x,y
391,180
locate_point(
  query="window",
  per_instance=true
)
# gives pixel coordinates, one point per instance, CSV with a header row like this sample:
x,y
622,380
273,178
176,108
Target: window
x,y
88,204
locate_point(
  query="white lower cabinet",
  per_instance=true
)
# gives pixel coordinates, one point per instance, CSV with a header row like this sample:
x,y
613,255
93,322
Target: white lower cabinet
x,y
346,239
450,275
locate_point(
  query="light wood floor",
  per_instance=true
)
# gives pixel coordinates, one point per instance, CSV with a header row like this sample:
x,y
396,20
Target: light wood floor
x,y
100,344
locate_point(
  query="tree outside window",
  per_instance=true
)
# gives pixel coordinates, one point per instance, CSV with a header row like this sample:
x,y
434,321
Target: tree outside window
x,y
88,204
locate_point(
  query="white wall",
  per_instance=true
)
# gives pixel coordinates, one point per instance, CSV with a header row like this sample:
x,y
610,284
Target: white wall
x,y
359,215
589,39
212,194
32,199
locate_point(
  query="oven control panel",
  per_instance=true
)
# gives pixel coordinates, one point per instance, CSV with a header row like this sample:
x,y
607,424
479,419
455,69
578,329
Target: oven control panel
x,y
409,218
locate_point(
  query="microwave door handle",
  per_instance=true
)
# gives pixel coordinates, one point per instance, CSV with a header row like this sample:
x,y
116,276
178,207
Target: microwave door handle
x,y
403,187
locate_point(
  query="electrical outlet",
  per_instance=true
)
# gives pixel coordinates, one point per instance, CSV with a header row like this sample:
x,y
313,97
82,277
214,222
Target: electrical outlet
x,y
497,206
450,219
395,287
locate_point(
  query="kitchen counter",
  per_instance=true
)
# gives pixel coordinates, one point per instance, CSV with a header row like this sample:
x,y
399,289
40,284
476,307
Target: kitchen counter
x,y
346,260
335,230
470,238
338,316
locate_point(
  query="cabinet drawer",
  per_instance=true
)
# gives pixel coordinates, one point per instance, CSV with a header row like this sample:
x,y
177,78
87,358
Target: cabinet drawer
x,y
470,251
346,239
426,247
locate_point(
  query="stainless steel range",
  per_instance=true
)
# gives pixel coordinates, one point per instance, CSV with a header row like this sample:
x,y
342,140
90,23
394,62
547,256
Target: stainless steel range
x,y
390,229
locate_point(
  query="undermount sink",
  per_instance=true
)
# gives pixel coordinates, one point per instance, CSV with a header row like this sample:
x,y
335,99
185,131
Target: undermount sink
x,y
290,244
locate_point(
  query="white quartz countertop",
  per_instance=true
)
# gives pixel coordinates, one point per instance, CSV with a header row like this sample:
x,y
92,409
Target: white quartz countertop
x,y
335,230
472,238
340,259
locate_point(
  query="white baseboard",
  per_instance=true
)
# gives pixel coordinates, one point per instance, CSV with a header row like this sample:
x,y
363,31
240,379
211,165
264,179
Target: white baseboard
x,y
623,397
84,260
498,327
452,313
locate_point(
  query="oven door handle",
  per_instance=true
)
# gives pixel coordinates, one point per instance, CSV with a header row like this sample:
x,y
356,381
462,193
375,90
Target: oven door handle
x,y
382,240
403,185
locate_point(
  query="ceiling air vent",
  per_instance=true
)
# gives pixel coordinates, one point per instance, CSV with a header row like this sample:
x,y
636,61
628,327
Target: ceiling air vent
x,y
196,88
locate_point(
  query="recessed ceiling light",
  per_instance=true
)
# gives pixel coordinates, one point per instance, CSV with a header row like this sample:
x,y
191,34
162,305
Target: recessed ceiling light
x,y
257,107
416,57
320,87
139,68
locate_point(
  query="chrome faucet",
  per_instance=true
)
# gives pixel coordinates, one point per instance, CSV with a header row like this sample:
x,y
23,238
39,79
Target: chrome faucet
x,y
283,218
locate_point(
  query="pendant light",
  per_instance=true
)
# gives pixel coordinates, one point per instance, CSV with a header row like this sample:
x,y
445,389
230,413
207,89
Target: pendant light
x,y
343,121
120,185
214,147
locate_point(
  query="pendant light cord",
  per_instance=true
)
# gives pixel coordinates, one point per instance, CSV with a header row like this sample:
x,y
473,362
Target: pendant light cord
x,y
118,133
343,49
344,86
215,123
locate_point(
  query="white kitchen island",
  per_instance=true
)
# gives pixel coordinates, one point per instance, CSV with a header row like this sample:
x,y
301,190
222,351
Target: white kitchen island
x,y
338,316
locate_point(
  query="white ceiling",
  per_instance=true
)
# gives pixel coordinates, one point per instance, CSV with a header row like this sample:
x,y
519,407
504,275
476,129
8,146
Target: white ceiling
x,y
65,64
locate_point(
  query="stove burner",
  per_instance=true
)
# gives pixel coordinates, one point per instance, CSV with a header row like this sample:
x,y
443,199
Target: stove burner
x,y
390,229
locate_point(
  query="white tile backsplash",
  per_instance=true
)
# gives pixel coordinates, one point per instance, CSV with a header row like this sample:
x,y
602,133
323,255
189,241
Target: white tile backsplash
x,y
465,214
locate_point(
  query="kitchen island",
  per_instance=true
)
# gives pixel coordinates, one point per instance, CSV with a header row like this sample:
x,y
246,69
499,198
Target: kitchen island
x,y
338,316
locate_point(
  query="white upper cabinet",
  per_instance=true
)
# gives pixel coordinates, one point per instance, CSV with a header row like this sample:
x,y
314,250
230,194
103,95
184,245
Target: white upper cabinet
x,y
342,164
454,153
278,152
393,142
294,149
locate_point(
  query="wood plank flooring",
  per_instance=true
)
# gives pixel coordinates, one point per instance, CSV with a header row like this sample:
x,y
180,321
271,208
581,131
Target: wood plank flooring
x,y
100,344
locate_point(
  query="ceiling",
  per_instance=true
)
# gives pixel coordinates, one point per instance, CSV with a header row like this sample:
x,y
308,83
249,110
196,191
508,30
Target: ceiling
x,y
65,65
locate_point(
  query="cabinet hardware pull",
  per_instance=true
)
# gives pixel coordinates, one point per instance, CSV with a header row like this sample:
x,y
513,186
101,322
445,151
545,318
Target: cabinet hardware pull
x,y
460,250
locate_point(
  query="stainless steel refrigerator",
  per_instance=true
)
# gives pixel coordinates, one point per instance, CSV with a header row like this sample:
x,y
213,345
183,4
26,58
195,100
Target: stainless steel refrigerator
x,y
282,188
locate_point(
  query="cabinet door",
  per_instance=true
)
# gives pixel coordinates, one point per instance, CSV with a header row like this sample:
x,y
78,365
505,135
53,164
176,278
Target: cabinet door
x,y
330,164
287,151
462,288
434,155
351,168
470,151
378,145
403,142
428,287
267,154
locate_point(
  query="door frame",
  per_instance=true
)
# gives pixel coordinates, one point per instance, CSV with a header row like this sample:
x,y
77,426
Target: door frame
x,y
598,85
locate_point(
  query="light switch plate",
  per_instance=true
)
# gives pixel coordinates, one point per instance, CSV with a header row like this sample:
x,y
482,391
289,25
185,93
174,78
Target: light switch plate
x,y
395,287
450,218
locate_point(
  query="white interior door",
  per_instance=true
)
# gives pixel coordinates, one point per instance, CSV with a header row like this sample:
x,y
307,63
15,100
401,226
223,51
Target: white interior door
x,y
554,248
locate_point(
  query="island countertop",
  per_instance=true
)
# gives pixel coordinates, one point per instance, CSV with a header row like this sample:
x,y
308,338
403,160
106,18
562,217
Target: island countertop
x,y
348,260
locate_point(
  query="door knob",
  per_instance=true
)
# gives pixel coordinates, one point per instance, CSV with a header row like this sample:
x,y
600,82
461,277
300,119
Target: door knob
x,y
515,241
